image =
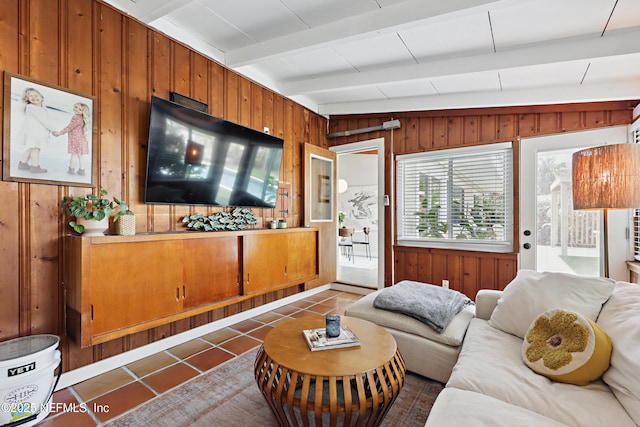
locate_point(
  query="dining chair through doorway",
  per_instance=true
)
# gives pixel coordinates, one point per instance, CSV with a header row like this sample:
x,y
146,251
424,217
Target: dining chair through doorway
x,y
345,242
365,242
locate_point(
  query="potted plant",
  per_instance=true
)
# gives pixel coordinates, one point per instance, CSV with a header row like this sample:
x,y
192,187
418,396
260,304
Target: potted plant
x,y
124,219
341,216
89,208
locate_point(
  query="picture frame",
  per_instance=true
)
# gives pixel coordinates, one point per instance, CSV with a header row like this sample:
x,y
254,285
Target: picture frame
x,y
49,133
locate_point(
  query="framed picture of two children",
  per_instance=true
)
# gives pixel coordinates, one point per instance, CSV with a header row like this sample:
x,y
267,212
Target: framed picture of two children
x,y
50,134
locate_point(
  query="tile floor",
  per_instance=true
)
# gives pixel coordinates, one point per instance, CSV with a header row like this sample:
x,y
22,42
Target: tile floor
x,y
99,399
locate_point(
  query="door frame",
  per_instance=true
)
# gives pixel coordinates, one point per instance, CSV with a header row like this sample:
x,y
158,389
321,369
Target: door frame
x,y
356,147
618,220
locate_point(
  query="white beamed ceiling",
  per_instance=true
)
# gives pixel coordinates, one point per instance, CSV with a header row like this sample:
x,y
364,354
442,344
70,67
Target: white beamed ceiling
x,y
364,56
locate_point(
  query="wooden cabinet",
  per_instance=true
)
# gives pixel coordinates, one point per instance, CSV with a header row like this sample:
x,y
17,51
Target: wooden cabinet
x,y
277,260
118,285
266,262
302,256
211,271
130,283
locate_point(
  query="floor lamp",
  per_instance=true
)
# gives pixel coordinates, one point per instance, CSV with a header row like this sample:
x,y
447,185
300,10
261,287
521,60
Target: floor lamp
x,y
607,177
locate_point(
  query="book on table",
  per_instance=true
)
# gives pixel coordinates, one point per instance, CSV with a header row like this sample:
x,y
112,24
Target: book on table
x,y
317,339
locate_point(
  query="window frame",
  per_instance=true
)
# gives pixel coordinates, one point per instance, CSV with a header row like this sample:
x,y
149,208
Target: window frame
x,y
501,246
634,137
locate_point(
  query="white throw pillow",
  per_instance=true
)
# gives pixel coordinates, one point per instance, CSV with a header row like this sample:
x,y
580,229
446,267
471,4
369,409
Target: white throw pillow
x,y
620,319
532,293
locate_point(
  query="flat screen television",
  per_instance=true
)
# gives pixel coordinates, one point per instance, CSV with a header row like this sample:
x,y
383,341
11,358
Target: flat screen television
x,y
195,158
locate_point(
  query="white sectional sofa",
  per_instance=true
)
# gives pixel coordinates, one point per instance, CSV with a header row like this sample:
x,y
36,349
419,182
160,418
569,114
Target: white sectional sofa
x,y
490,384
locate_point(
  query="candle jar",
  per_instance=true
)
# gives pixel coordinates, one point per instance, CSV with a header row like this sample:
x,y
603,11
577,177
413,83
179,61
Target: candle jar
x,y
333,325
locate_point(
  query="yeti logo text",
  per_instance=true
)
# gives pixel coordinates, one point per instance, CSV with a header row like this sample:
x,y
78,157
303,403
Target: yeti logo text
x,y
12,372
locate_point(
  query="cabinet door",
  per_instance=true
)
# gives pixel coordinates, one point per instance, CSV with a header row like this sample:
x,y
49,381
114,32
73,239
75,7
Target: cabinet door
x,y
302,259
130,283
211,270
264,261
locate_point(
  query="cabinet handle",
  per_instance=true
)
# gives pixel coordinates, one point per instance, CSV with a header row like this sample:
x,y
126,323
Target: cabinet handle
x,y
184,291
91,311
177,294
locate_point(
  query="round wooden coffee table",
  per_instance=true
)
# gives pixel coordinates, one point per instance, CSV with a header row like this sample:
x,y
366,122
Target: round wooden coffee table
x,y
343,386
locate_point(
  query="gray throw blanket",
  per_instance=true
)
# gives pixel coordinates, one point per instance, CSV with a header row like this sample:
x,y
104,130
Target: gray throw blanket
x,y
433,305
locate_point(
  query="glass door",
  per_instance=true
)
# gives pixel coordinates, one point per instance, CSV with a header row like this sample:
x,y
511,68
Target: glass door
x,y
554,236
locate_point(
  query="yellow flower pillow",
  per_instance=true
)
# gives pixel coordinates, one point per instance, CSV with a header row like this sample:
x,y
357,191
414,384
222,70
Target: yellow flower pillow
x,y
566,346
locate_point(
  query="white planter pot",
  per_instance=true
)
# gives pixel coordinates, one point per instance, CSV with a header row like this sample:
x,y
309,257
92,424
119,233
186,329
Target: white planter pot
x,y
93,227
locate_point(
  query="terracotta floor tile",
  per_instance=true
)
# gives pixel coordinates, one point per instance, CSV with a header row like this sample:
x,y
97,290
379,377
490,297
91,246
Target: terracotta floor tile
x,y
101,384
74,418
246,325
268,317
170,377
277,322
151,364
321,296
240,344
322,308
303,304
189,348
286,310
260,333
333,302
66,407
64,396
303,313
220,336
209,359
119,401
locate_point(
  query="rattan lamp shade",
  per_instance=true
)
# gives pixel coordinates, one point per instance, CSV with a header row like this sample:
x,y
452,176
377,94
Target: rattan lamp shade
x,y
607,177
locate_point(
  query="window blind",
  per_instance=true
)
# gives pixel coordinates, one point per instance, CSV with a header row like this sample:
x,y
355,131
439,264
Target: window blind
x,y
457,197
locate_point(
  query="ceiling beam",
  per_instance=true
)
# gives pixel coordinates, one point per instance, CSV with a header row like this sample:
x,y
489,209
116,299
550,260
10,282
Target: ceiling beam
x,y
614,43
483,99
399,16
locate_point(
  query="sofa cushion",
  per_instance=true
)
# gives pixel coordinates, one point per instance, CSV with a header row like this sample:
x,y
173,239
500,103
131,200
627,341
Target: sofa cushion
x,y
452,335
620,318
531,293
454,407
490,363
566,346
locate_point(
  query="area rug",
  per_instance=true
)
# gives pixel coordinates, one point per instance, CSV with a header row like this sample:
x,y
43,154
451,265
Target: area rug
x,y
228,396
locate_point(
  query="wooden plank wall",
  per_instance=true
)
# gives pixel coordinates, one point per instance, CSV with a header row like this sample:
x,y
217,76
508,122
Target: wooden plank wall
x,y
433,130
88,46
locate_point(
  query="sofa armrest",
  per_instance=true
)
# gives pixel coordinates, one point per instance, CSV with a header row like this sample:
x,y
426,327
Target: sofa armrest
x,y
486,301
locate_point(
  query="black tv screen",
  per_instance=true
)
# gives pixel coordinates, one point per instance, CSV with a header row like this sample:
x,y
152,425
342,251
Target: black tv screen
x,y
198,159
